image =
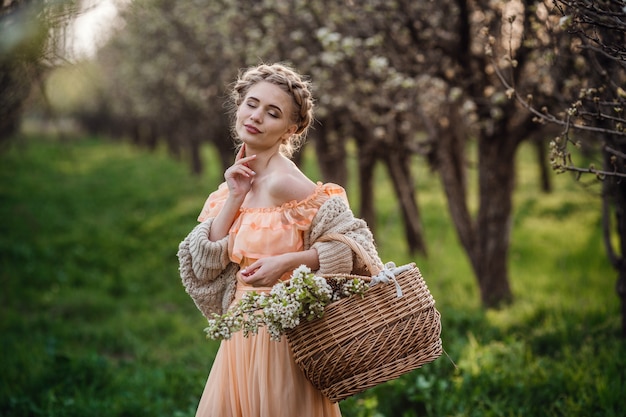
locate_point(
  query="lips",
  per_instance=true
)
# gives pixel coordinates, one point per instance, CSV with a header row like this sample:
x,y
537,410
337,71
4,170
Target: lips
x,y
252,129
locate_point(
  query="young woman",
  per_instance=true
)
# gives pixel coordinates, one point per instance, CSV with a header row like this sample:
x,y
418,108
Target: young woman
x,y
260,224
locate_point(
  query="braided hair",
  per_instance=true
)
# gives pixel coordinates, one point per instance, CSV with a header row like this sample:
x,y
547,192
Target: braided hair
x,y
291,83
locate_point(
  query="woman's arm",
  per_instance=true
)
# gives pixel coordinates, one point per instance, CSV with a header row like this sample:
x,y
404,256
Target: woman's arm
x,y
266,271
239,180
225,218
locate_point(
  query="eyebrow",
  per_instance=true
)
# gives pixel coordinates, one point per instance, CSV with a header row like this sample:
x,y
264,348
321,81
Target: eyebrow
x,y
269,105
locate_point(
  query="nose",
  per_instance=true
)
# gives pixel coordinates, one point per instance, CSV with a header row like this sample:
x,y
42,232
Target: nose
x,y
256,115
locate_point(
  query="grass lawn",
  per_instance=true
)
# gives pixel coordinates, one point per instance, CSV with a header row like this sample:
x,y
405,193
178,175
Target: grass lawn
x,y
94,320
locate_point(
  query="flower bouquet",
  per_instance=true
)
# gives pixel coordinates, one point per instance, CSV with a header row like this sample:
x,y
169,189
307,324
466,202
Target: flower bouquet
x,y
303,297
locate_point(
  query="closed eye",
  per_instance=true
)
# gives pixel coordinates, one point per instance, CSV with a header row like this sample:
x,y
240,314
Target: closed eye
x,y
272,110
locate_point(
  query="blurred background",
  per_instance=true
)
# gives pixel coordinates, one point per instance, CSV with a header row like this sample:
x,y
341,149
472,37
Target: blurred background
x,y
484,141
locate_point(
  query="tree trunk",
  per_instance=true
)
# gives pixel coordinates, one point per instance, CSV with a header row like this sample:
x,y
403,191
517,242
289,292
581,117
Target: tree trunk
x,y
225,148
398,165
449,160
620,208
542,160
330,150
496,178
606,73
367,162
218,133
195,157
485,239
614,195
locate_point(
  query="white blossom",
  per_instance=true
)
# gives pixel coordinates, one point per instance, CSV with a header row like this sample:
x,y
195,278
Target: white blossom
x,y
304,296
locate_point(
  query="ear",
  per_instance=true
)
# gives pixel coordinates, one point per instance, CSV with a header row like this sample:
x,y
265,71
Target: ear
x,y
290,131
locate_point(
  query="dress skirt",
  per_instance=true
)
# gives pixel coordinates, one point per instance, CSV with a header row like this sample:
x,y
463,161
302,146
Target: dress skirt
x,y
258,377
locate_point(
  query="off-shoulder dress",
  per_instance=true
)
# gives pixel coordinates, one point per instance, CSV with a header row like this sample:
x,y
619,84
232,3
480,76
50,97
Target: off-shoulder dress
x,y
256,376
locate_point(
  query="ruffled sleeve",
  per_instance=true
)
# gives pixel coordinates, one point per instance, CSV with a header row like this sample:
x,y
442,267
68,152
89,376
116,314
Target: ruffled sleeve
x,y
214,203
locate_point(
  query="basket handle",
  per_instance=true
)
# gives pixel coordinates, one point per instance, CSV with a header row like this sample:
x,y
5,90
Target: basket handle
x,y
356,248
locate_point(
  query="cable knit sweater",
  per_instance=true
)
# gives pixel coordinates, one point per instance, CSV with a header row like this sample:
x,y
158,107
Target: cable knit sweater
x,y
209,276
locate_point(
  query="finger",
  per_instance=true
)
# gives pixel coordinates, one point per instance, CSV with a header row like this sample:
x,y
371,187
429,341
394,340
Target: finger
x,y
246,163
249,270
240,168
246,159
242,152
243,170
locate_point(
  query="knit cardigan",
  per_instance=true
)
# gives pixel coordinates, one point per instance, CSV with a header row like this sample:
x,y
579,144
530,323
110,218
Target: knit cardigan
x,y
209,276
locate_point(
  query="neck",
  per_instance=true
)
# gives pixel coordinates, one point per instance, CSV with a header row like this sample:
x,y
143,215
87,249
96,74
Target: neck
x,y
263,159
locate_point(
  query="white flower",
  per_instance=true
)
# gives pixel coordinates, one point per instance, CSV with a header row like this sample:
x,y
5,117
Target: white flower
x,y
303,296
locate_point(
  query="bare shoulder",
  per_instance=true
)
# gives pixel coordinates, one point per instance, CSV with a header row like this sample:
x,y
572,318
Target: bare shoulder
x,y
290,184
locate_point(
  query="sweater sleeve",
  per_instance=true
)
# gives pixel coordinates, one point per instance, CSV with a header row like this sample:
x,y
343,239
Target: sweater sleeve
x,y
208,258
206,271
335,257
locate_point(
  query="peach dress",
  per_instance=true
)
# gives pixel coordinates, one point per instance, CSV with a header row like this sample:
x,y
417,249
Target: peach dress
x,y
255,376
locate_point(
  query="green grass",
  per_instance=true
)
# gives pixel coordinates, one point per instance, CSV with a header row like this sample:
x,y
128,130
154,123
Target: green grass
x,y
94,320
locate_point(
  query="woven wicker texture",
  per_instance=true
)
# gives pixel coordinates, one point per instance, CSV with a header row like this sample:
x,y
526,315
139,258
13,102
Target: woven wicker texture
x,y
365,341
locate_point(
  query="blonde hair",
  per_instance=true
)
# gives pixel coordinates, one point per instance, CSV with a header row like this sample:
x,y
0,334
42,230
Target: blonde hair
x,y
291,83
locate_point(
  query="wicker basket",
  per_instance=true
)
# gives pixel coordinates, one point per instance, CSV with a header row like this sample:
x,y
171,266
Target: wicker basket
x,y
365,341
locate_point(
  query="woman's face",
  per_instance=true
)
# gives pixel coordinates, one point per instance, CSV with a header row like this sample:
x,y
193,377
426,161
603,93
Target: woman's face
x,y
263,117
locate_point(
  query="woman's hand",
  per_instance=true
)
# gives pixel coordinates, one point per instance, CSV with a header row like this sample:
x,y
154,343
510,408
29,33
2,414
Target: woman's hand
x,y
239,179
265,272
239,176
